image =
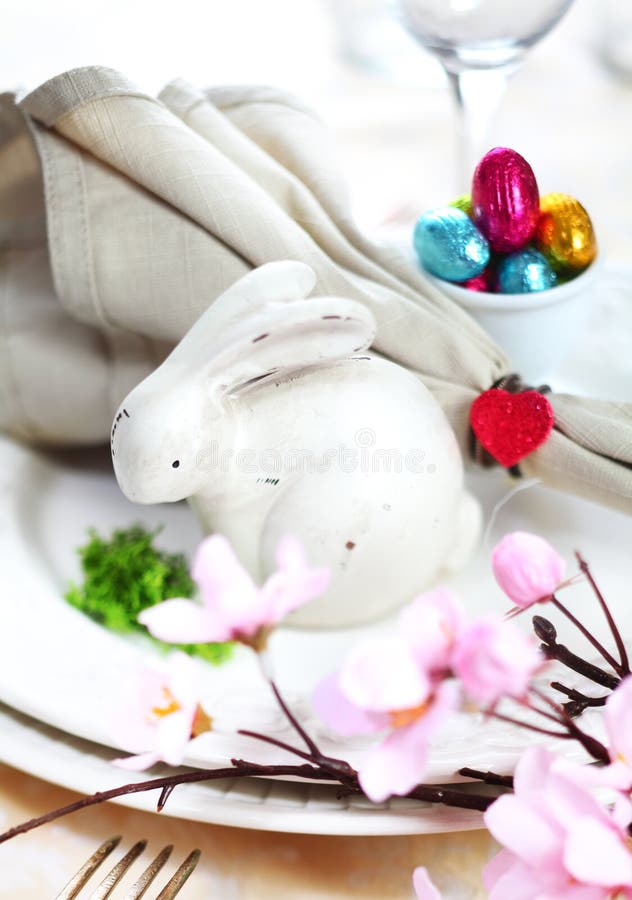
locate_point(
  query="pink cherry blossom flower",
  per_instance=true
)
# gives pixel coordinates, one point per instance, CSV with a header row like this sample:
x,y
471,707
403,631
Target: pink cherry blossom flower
x,y
494,659
163,716
559,841
233,607
381,687
424,888
527,568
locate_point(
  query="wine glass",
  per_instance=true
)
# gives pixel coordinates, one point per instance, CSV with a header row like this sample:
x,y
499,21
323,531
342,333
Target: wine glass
x,y
479,43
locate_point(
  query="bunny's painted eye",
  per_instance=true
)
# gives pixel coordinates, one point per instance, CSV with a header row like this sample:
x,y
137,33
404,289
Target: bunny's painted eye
x,y
175,463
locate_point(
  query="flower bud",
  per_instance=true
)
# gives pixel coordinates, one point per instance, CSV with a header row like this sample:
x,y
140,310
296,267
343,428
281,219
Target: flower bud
x,y
527,568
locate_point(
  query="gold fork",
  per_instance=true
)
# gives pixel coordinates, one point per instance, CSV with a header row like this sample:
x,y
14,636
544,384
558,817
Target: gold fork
x,y
105,888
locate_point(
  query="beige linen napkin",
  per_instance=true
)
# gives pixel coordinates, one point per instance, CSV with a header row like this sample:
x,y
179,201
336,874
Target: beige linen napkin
x,y
153,207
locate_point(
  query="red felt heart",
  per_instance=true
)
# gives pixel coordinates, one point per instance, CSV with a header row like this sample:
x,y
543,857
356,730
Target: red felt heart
x,y
511,426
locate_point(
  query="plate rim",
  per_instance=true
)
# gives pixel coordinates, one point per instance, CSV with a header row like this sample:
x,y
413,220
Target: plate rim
x,y
73,763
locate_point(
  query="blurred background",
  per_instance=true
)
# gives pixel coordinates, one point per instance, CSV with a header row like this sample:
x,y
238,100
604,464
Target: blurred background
x,y
385,99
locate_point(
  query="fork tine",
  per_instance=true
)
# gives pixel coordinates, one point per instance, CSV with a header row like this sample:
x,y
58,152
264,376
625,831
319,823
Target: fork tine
x,y
114,875
177,881
140,886
77,881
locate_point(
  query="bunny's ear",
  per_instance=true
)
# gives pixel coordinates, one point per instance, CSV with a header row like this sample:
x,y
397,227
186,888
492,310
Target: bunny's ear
x,y
276,282
289,337
279,282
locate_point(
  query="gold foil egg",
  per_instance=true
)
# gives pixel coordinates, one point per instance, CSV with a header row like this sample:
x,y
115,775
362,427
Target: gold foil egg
x,y
565,233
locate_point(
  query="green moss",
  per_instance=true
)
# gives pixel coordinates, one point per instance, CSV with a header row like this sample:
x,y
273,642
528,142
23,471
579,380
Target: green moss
x,y
127,574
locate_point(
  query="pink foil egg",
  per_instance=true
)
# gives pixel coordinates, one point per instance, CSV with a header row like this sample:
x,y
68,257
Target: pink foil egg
x,y
505,199
482,282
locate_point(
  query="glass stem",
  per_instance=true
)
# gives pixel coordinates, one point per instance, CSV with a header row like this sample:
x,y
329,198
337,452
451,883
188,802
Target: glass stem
x,y
478,94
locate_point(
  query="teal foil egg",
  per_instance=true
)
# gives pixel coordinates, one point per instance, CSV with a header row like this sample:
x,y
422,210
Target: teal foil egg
x,y
449,245
525,271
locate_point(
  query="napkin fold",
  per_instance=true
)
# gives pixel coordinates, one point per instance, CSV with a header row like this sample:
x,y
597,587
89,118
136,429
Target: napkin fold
x,y
123,216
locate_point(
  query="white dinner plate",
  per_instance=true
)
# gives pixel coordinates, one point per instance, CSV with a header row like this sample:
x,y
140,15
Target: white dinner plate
x,y
62,669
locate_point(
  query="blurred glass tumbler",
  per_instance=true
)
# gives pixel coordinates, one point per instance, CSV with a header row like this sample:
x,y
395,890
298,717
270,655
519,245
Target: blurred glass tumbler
x,y
370,37
537,330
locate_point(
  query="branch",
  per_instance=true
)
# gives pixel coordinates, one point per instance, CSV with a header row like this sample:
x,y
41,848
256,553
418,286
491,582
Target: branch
x,y
487,777
296,725
451,797
578,702
616,634
590,744
241,768
599,647
163,784
546,632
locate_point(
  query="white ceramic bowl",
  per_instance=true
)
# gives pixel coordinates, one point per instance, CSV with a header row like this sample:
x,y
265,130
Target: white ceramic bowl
x,y
538,330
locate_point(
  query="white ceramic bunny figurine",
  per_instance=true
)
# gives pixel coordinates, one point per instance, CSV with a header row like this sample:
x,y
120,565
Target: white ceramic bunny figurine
x,y
271,418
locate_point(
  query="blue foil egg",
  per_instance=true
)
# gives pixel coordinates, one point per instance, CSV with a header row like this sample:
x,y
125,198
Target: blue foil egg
x,y
449,245
525,271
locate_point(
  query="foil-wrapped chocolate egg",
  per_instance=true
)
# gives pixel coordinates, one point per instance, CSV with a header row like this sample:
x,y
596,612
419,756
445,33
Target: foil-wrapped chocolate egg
x,y
505,199
464,203
525,271
483,282
449,245
565,233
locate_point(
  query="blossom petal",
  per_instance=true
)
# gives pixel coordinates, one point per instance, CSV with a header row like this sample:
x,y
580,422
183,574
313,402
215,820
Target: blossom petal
x,y
497,867
621,811
381,674
618,721
495,659
227,589
596,854
285,591
507,876
524,831
431,624
137,763
398,764
294,583
395,766
527,567
173,736
424,888
532,769
339,713
132,728
180,621
566,800
182,675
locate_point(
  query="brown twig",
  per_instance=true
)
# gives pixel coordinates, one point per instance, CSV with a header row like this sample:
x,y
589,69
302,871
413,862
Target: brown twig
x,y
242,768
487,777
578,702
624,668
451,797
164,796
599,647
161,784
590,744
546,632
296,725
337,768
528,725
